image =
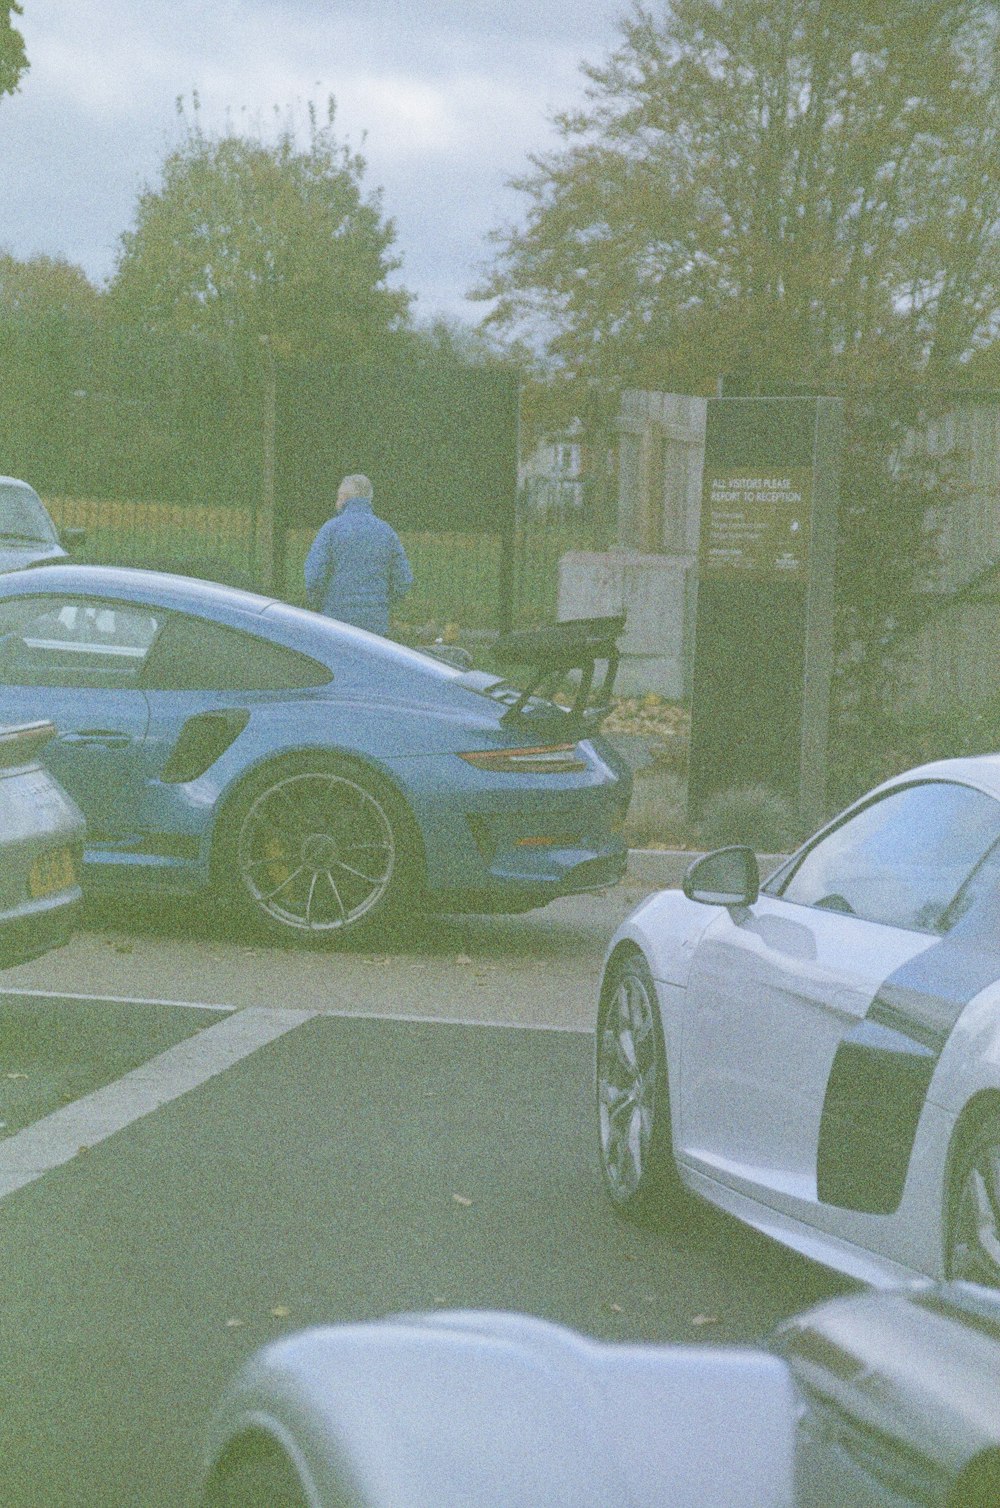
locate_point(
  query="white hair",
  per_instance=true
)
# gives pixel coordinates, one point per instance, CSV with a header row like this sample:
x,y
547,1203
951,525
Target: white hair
x,y
356,485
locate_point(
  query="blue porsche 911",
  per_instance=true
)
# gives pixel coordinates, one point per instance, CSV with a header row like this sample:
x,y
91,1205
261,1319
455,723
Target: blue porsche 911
x,y
319,777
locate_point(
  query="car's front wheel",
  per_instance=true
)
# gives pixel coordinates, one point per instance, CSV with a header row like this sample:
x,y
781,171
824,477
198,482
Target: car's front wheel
x,y
973,1243
316,851
633,1100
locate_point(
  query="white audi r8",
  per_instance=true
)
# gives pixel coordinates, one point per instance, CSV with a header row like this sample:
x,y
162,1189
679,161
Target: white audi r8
x,y
820,1055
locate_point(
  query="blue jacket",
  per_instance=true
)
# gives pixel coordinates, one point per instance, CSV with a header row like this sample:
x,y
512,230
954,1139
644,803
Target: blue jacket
x,y
357,569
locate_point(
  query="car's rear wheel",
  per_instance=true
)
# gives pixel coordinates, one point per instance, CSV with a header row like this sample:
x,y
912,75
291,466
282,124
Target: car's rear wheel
x,y
633,1099
973,1244
317,851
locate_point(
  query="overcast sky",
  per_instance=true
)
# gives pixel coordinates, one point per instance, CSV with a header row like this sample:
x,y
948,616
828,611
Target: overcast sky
x,y
450,96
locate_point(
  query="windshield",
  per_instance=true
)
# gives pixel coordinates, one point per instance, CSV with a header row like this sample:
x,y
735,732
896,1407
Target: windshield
x,y
22,516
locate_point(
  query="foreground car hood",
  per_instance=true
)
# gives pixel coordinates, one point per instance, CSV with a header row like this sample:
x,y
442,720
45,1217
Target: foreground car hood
x,y
505,1411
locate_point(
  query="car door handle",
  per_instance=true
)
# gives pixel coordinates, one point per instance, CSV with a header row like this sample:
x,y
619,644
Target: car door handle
x,y
106,738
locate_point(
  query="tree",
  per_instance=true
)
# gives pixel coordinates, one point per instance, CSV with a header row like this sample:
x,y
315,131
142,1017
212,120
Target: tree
x,y
792,195
13,58
247,239
43,286
49,311
774,188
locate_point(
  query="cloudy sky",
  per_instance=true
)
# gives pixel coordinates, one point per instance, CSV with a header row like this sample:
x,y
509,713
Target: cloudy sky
x,y
449,95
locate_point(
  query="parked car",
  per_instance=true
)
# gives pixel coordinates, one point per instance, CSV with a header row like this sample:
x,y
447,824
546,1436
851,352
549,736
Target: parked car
x,y
870,1400
28,537
41,848
820,1055
318,776
900,1398
483,1410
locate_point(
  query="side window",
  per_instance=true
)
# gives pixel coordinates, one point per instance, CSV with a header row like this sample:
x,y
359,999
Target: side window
x,y
901,860
196,654
74,641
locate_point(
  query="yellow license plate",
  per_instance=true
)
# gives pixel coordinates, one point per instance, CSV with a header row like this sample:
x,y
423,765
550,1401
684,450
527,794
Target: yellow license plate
x,y
52,872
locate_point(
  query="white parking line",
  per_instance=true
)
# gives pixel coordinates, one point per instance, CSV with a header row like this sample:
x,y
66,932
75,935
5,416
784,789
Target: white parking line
x,y
336,1010
59,1137
187,1005
343,1013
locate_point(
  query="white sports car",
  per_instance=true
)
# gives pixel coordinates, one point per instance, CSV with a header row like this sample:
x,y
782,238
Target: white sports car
x,y
820,1055
473,1409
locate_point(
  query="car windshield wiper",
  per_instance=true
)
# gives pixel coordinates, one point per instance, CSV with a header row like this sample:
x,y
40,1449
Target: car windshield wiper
x,y
31,539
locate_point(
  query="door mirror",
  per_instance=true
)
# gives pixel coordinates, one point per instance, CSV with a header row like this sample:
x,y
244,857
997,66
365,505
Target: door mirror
x,y
73,538
725,877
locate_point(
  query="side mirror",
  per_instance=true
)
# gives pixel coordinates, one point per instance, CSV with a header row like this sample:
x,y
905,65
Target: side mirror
x,y
725,877
73,539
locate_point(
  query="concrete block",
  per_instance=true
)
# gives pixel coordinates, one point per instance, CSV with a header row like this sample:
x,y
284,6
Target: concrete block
x,y
654,591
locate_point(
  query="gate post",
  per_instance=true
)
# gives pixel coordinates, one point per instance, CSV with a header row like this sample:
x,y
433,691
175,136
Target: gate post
x,y
266,540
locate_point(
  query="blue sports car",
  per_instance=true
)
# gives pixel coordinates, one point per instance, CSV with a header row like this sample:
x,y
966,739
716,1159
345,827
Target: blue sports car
x,y
320,777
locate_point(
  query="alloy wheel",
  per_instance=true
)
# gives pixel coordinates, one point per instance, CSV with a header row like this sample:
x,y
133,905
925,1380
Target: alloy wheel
x,y
974,1245
316,851
627,1074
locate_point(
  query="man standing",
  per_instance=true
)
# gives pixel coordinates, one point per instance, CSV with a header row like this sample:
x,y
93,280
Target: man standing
x,y
357,569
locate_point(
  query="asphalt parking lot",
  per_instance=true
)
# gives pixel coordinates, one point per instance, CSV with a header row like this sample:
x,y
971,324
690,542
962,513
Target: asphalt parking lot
x,y
364,1133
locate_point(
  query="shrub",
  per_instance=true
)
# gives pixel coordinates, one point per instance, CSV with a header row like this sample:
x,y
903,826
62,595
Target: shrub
x,y
657,814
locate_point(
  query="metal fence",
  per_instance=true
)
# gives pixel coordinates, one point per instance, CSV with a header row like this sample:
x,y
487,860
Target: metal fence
x,y
456,574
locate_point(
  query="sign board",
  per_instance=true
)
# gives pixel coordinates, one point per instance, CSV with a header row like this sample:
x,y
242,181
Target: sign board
x,y
756,525
763,629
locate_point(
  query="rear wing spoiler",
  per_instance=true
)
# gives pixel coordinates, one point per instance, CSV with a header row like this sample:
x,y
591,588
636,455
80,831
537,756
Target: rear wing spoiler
x,y
551,653
23,744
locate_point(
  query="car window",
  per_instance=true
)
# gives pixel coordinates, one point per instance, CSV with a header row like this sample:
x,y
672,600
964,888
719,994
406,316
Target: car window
x,y
74,641
23,516
902,859
196,654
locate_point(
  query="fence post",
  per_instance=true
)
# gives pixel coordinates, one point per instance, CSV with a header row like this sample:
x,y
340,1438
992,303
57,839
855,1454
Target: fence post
x,y
508,531
267,541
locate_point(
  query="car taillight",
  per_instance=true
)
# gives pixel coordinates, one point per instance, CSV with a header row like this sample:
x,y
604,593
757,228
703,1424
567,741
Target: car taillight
x,y
546,759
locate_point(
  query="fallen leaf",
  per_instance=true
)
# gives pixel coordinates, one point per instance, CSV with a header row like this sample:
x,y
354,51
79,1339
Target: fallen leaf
x,y
15,1076
81,1150
462,958
705,1319
234,1324
461,1199
281,1311
615,1308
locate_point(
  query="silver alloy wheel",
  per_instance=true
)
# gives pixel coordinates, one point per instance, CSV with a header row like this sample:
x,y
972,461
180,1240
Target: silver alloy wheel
x,y
316,851
627,1072
974,1246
